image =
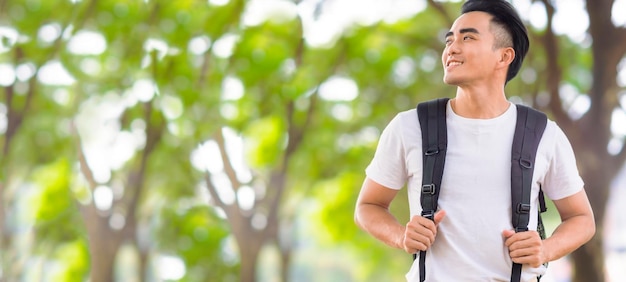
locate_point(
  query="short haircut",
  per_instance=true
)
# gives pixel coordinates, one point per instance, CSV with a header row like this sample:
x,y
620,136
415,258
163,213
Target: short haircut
x,y
504,16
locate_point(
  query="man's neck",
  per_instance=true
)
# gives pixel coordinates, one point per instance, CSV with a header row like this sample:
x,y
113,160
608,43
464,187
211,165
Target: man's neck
x,y
480,103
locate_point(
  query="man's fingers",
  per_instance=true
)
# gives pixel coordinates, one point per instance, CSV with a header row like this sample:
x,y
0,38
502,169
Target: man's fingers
x,y
524,247
521,240
419,234
414,242
439,216
526,257
413,246
418,222
508,233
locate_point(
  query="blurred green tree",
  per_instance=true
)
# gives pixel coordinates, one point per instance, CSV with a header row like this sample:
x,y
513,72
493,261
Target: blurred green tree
x,y
173,128
559,75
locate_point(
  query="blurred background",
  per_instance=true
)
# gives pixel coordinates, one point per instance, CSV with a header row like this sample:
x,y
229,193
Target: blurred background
x,y
226,140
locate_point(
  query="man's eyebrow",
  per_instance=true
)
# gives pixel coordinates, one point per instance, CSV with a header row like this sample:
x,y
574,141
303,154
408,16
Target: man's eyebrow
x,y
463,30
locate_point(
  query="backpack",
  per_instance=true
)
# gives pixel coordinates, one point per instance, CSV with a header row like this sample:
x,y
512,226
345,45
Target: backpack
x,y
528,131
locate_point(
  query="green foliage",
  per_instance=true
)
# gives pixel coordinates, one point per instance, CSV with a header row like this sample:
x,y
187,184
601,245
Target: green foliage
x,y
394,65
73,259
265,141
58,228
337,193
576,64
262,50
198,237
54,209
371,259
336,218
221,18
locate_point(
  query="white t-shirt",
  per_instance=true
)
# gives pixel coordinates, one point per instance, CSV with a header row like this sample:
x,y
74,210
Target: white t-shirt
x,y
475,190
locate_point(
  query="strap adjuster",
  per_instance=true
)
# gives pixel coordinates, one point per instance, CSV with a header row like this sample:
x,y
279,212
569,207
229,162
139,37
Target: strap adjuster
x,y
430,214
523,208
428,189
431,151
521,229
525,163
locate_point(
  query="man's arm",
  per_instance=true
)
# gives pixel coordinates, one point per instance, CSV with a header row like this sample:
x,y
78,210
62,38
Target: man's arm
x,y
372,215
576,228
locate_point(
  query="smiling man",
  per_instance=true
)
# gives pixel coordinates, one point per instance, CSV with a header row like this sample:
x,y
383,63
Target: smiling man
x,y
470,235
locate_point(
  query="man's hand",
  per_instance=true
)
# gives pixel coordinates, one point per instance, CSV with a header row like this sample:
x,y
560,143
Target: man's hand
x,y
525,247
420,232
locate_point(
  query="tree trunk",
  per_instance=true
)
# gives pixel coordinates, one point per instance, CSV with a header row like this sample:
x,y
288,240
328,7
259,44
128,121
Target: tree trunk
x,y
285,261
15,118
143,265
102,262
591,134
598,167
249,253
589,261
7,253
4,238
103,245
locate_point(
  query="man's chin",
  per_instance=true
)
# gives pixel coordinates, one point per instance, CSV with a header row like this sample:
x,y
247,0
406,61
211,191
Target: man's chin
x,y
451,81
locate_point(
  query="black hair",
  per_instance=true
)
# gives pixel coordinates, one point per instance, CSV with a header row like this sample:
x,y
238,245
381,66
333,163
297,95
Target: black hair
x,y
504,14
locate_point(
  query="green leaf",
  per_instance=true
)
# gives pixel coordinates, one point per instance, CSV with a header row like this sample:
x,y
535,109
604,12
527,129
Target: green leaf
x,y
74,262
54,199
265,140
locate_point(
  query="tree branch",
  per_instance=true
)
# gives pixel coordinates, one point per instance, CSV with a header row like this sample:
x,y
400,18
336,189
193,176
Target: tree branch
x,y
204,70
15,116
91,8
296,134
95,223
554,73
232,211
136,179
278,178
82,159
620,158
13,121
228,166
3,5
620,39
442,11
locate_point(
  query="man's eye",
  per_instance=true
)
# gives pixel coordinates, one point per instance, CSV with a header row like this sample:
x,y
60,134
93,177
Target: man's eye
x,y
467,37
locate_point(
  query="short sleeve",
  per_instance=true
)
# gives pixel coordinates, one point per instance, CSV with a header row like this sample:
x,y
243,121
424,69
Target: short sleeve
x,y
388,167
562,178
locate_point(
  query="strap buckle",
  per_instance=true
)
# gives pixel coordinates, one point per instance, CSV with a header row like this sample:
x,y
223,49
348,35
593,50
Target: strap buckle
x,y
428,189
430,214
431,151
525,163
523,208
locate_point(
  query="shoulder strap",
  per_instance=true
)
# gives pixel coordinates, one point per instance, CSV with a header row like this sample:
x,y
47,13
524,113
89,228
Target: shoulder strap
x,y
528,131
432,117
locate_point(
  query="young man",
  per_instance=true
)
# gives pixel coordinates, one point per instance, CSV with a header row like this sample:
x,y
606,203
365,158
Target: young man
x,y
471,237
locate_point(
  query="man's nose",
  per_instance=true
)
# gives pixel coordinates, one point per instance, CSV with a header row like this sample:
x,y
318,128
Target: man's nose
x,y
453,48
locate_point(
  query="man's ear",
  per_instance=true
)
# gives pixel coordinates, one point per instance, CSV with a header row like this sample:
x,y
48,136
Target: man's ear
x,y
507,55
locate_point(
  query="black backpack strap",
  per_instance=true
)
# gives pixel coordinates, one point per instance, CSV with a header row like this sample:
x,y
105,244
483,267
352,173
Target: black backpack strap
x,y
528,131
542,209
432,118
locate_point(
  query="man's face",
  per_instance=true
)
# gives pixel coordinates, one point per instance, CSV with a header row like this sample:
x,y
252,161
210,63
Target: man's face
x,y
469,55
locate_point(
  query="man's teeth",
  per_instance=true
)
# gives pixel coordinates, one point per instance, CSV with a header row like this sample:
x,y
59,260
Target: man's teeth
x,y
455,64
